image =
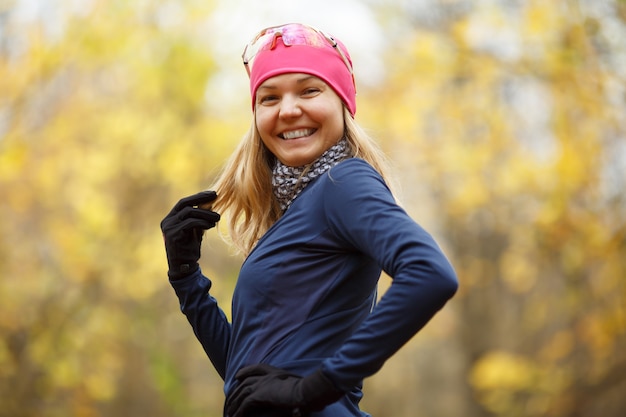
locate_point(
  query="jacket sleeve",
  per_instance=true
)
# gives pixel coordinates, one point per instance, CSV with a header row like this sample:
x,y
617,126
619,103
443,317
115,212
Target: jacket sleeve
x,y
363,213
208,321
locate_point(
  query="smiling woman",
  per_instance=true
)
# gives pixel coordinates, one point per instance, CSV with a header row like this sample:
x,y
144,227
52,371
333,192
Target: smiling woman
x,y
309,205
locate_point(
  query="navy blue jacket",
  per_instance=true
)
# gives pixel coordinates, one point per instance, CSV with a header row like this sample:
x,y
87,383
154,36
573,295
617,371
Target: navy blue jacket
x,y
306,295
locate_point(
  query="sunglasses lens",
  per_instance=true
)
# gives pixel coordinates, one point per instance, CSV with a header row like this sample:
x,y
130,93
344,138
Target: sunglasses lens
x,y
264,40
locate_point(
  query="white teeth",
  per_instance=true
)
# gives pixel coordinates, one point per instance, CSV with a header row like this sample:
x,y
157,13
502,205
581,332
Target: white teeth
x,y
297,133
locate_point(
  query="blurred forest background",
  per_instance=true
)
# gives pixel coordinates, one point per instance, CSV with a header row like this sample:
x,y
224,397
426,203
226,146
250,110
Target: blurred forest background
x,y
506,121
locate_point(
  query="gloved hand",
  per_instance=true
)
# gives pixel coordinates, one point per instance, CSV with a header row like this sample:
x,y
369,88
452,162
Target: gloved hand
x,y
264,387
182,231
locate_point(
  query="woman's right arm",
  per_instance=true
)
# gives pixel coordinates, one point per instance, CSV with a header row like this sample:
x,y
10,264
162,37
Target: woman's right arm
x,y
208,321
183,228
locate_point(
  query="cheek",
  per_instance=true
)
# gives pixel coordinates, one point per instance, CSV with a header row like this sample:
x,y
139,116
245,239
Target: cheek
x,y
337,124
334,118
263,131
262,121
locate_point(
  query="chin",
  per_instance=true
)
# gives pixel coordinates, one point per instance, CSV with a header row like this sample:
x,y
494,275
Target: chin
x,y
297,162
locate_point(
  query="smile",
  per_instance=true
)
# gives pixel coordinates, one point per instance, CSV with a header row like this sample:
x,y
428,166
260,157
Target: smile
x,y
294,134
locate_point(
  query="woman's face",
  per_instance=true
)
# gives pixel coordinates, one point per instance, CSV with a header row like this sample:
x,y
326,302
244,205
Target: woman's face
x,y
298,116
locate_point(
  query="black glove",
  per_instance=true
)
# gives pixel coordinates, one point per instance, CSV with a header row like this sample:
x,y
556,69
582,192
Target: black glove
x,y
264,387
182,231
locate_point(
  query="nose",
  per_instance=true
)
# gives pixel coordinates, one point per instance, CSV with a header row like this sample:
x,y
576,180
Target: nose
x,y
289,107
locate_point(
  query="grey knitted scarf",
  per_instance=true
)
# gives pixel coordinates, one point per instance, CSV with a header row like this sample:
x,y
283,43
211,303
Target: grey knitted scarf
x,y
288,181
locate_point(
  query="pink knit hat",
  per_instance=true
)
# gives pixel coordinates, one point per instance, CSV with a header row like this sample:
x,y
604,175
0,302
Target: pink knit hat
x,y
297,54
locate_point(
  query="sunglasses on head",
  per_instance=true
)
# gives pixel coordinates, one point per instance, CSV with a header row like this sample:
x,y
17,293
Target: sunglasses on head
x,y
290,34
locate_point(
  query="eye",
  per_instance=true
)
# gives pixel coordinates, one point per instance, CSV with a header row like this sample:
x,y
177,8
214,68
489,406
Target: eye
x,y
268,99
311,91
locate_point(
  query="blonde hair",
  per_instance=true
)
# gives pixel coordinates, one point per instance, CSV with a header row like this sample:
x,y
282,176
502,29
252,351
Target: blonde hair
x,y
245,196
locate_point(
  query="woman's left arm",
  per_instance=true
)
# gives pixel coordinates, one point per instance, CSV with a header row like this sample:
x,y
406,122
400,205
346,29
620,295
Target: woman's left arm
x,y
363,212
